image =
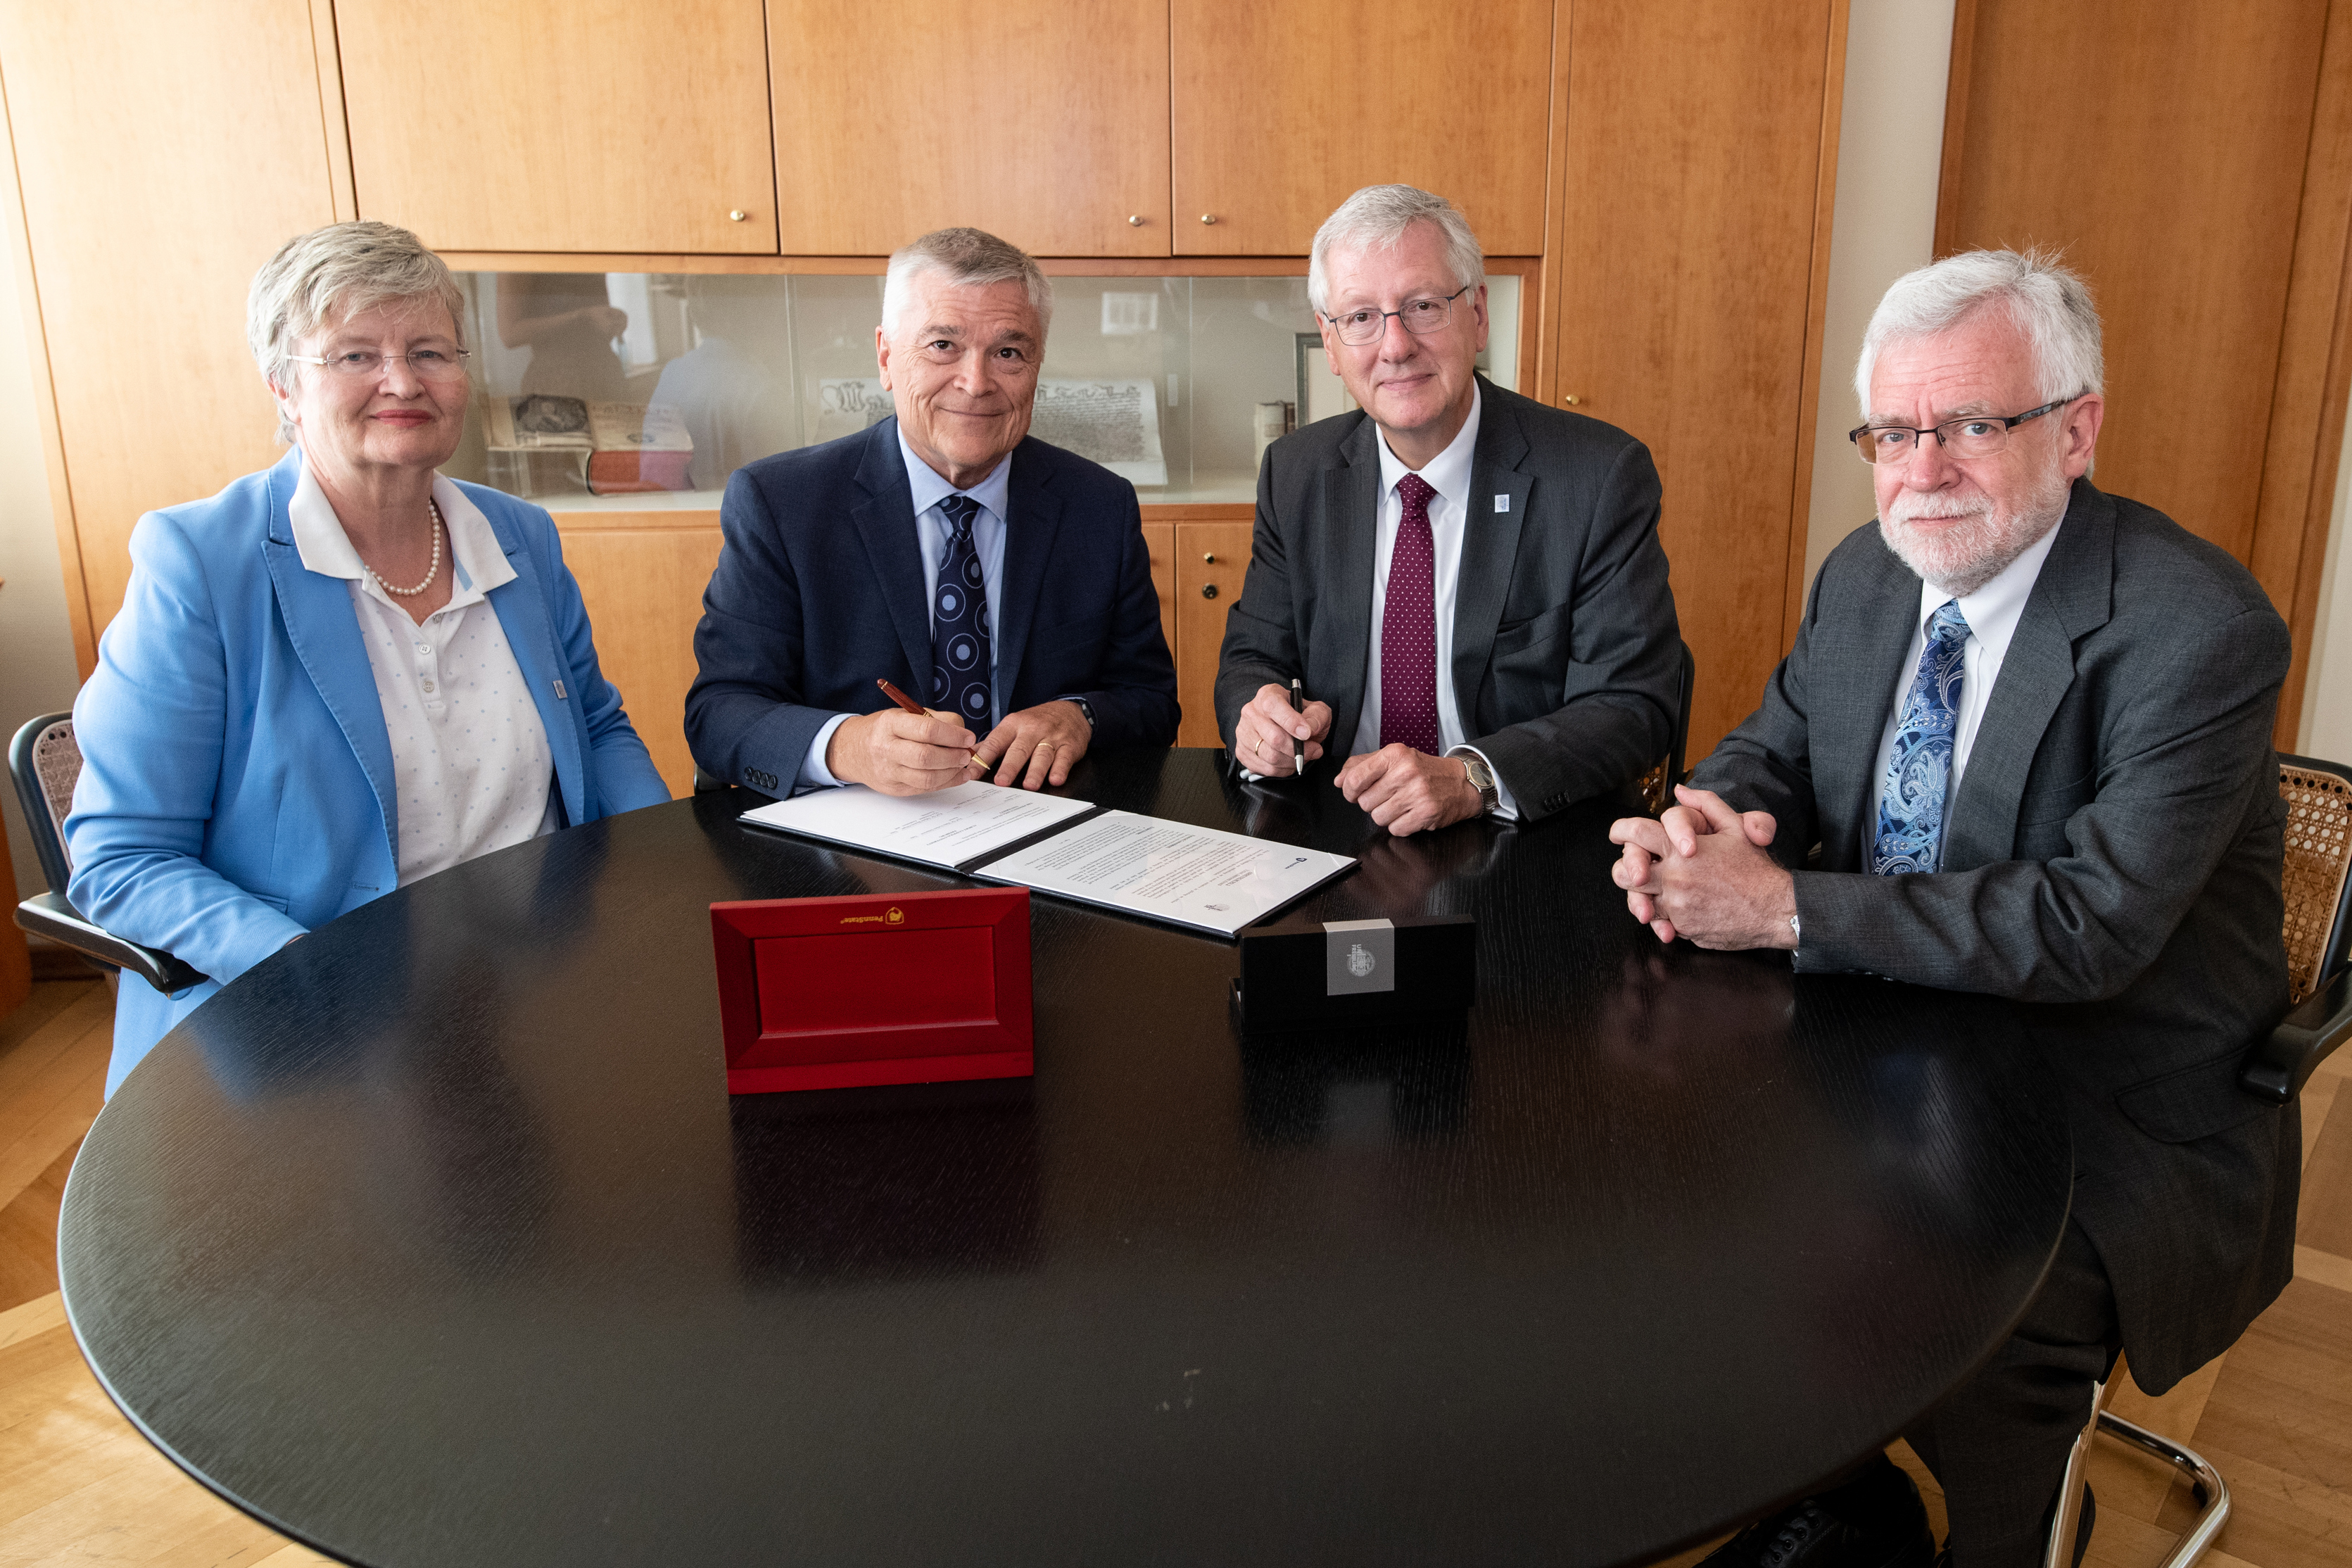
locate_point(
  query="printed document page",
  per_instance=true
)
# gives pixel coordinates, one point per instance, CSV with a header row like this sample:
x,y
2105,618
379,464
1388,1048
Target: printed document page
x,y
949,827
1196,877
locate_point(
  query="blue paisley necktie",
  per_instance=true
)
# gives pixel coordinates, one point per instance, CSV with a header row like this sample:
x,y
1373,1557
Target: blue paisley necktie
x,y
959,661
1911,805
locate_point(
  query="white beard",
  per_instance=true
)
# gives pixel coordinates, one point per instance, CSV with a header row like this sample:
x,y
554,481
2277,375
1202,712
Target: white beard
x,y
1965,554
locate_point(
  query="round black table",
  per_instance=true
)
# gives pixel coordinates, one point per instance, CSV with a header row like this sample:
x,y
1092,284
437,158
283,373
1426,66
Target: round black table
x,y
437,1240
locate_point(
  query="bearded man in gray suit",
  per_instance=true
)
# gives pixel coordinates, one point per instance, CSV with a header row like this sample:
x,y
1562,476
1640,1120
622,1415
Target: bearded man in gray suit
x,y
2025,730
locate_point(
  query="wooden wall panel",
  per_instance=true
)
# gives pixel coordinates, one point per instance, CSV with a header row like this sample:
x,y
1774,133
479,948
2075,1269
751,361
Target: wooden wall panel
x,y
1282,108
580,125
642,575
1686,279
143,245
1045,123
2162,148
2190,159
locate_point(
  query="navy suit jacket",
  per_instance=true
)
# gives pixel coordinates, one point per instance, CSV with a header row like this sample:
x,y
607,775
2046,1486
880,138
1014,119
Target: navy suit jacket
x,y
819,591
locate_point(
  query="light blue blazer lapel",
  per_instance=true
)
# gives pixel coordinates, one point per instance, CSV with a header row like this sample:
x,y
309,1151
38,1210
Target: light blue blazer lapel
x,y
325,634
520,604
1490,548
1032,519
2073,596
884,517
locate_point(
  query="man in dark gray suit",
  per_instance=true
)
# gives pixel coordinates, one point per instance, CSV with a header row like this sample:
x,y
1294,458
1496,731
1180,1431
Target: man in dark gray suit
x,y
2028,726
1469,583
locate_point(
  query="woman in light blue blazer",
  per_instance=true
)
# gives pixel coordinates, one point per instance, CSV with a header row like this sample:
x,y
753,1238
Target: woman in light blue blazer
x,y
341,674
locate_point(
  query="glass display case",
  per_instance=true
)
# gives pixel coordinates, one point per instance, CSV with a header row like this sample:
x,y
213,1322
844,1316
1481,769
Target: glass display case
x,y
635,392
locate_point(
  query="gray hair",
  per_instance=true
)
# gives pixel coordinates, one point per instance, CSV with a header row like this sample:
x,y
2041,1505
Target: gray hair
x,y
1376,217
2050,303
342,269
972,258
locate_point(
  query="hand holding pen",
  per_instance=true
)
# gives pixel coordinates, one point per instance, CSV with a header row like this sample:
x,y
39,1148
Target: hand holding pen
x,y
902,750
1277,740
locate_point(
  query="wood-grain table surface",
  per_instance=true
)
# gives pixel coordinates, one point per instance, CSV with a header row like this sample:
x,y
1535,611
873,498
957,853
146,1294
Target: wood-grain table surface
x,y
437,1239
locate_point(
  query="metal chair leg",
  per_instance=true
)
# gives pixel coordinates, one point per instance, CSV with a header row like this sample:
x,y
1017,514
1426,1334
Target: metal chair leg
x,y
2213,1493
2060,1551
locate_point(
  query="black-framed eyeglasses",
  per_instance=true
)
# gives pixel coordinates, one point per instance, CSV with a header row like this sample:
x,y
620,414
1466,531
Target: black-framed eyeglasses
x,y
1978,436
1421,317
426,364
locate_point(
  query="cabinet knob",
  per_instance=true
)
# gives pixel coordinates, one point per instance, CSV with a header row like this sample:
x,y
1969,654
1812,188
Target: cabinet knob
x,y
1208,218
1210,592
1570,401
1210,557
1135,220
737,215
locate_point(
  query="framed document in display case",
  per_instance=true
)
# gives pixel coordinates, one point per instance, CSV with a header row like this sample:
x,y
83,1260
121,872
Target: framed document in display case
x,y
837,993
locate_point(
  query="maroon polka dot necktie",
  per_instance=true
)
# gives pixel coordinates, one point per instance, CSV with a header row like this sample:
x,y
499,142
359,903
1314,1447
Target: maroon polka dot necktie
x,y
1409,626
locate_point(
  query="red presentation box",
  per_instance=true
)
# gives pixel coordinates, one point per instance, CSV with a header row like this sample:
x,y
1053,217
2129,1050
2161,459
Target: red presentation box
x,y
896,988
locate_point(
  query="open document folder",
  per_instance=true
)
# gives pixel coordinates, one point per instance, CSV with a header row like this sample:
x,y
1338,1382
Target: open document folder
x,y
1201,877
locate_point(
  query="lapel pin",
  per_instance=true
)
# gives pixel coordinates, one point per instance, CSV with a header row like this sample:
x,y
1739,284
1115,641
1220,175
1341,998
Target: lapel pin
x,y
559,691
1502,504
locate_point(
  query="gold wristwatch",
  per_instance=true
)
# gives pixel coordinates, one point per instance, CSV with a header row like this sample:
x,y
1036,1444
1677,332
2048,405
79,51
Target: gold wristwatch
x,y
1482,779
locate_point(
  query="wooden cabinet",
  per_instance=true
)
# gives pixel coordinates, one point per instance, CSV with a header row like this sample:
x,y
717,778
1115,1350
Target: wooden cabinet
x,y
1044,123
1159,539
533,125
642,575
1282,108
1212,559
2213,238
157,175
1689,265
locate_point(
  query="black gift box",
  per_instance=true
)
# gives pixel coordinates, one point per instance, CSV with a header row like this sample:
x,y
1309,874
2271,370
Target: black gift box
x,y
1412,972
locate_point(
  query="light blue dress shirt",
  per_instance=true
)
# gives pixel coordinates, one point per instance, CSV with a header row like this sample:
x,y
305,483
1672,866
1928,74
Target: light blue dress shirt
x,y
931,488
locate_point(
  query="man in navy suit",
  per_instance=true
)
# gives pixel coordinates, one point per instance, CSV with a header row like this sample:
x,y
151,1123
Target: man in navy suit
x,y
1003,581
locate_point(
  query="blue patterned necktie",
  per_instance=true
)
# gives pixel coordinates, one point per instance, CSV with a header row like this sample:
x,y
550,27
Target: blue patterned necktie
x,y
1911,805
959,662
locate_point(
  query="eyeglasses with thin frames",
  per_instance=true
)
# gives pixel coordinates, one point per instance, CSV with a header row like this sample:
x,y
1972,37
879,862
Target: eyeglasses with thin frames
x,y
1977,435
426,364
1420,318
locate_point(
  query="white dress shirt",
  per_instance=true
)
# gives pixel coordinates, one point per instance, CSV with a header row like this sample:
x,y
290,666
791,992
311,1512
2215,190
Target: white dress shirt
x,y
1993,613
470,763
932,537
1448,474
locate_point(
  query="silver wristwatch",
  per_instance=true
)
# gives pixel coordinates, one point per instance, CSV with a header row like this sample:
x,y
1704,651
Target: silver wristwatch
x,y
1482,779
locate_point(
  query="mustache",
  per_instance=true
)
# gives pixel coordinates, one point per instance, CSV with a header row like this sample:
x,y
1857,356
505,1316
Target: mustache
x,y
1911,507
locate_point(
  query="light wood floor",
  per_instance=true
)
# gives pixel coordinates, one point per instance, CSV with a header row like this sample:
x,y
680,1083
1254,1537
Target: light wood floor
x,y
79,1485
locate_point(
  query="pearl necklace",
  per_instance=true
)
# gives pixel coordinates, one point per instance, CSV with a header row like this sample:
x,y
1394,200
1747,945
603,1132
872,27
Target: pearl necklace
x,y
438,526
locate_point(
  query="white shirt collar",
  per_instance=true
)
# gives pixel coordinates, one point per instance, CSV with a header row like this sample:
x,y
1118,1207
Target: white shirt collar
x,y
1448,473
1993,610
930,487
479,561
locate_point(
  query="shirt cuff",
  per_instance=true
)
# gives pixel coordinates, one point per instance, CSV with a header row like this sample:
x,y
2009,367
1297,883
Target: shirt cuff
x,y
1506,806
814,773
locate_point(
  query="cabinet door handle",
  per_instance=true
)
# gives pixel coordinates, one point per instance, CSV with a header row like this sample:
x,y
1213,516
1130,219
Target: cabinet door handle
x,y
737,215
1571,401
1208,218
1135,220
1209,592
1210,557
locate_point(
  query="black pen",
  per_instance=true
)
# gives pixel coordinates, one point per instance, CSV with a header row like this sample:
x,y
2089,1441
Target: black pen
x,y
1298,746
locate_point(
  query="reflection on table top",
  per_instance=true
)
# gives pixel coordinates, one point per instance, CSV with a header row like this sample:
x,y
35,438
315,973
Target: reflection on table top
x,y
437,1239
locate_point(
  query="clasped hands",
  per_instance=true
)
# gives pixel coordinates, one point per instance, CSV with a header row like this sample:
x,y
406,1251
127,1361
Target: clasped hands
x,y
1402,790
1699,870
899,752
